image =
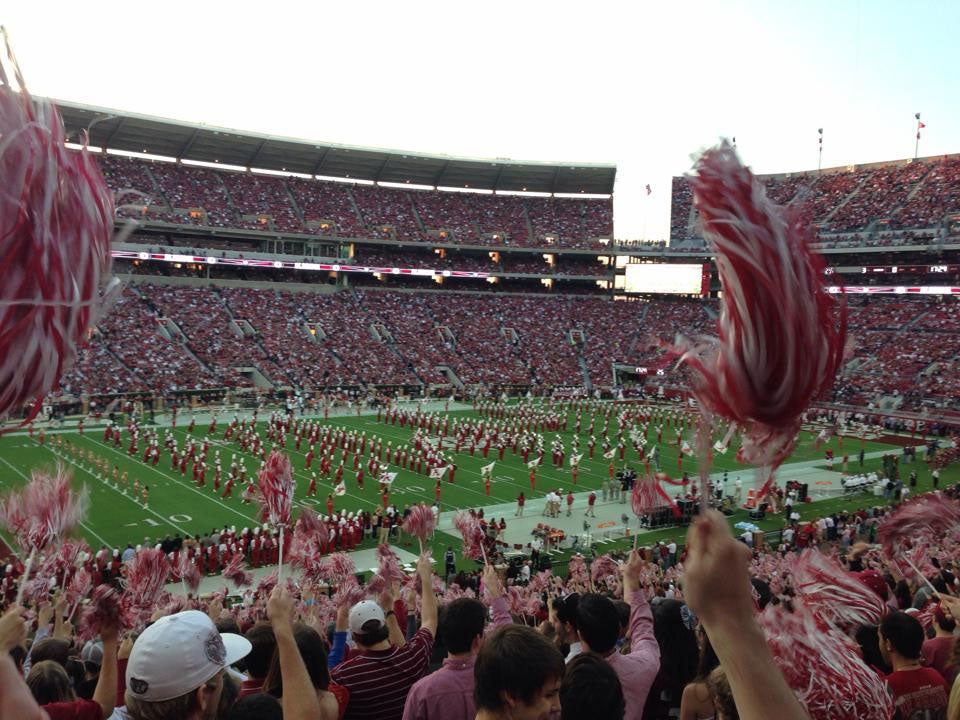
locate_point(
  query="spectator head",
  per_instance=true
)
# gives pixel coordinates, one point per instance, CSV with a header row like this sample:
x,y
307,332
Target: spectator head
x,y
943,621
51,649
92,656
566,607
679,653
262,645
591,689
461,625
313,650
517,674
368,624
256,707
176,668
49,683
623,616
722,695
901,637
598,623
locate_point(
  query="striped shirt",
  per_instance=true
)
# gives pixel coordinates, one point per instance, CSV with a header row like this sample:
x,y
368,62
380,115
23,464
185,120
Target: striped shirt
x,y
379,680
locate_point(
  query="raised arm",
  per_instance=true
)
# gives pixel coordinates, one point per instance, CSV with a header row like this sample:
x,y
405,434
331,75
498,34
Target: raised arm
x,y
642,639
105,694
717,588
428,601
300,701
498,603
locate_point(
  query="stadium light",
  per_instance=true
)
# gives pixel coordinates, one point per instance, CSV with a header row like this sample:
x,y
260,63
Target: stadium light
x,y
141,155
78,146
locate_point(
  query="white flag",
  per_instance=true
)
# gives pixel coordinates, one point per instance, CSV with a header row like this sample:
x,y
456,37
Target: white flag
x,y
685,448
575,460
340,489
610,454
487,470
388,477
533,463
719,447
437,473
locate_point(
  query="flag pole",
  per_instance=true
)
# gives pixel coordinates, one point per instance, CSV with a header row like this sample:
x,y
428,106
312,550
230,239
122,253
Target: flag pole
x,y
820,158
916,147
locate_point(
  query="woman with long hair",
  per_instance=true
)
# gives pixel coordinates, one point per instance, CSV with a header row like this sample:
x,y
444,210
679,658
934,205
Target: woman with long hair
x,y
678,659
697,702
313,650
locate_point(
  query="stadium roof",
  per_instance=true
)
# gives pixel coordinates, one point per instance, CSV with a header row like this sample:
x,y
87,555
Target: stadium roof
x,y
118,130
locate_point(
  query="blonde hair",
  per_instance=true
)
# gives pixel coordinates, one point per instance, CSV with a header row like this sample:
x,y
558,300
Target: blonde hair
x,y
177,708
953,707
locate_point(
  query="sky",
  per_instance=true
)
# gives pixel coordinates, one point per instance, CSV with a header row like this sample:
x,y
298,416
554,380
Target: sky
x,y
644,85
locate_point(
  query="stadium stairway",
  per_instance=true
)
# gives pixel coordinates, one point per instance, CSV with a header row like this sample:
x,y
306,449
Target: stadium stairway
x,y
584,370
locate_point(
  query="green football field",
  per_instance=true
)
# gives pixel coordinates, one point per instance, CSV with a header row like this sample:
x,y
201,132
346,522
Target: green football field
x,y
177,505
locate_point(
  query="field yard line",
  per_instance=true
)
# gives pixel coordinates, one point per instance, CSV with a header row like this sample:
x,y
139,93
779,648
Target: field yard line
x,y
82,524
183,484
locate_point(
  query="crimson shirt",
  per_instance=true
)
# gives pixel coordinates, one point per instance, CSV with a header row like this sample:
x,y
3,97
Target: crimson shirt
x,y
918,693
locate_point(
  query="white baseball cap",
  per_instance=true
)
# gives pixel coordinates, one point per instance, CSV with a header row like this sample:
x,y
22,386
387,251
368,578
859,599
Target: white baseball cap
x,y
179,653
363,612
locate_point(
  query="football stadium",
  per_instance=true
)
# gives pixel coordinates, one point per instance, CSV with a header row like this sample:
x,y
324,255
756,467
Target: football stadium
x,y
295,383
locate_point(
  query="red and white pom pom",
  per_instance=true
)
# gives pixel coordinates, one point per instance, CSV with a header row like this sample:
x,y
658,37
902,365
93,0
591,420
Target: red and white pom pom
x,y
236,571
823,667
311,524
388,566
781,334
276,489
930,516
337,567
44,510
349,593
647,495
603,567
578,577
472,533
78,587
189,574
420,523
56,224
265,586
106,609
145,577
834,594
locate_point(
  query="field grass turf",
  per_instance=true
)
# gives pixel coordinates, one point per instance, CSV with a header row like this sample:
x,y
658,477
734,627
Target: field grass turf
x,y
177,505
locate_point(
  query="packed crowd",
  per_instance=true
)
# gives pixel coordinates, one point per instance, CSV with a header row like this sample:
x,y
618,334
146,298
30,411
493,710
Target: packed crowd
x,y
185,194
904,195
822,623
904,348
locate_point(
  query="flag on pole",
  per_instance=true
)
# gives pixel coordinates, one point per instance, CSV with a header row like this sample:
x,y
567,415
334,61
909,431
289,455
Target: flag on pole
x,y
437,473
533,463
340,489
610,454
388,477
575,460
685,448
487,470
719,447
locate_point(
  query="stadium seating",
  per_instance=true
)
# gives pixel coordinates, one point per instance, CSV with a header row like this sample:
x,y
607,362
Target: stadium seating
x,y
192,195
893,195
904,348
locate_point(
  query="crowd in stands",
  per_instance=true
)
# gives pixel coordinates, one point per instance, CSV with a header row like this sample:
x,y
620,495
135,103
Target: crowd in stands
x,y
903,348
187,194
901,196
